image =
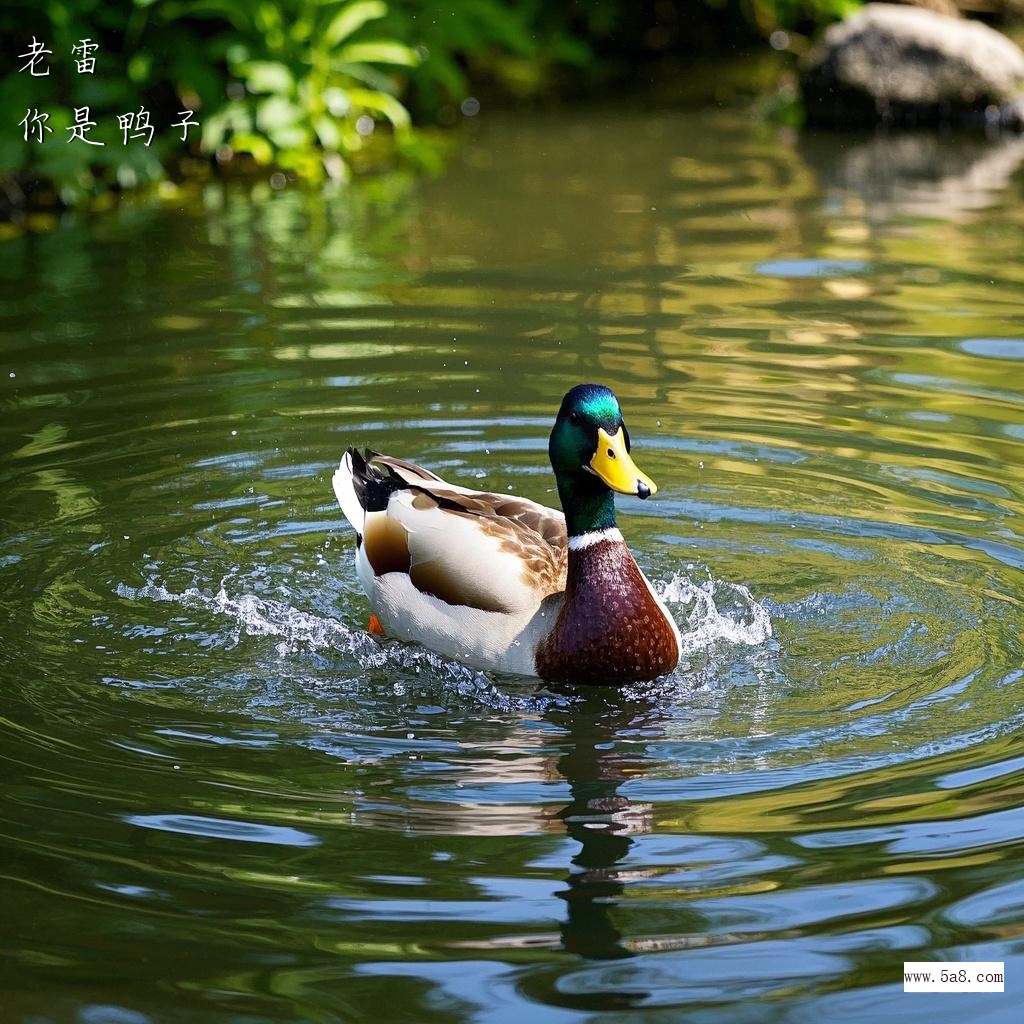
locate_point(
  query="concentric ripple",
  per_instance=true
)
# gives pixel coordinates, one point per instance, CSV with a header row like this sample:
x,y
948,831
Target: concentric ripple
x,y
226,801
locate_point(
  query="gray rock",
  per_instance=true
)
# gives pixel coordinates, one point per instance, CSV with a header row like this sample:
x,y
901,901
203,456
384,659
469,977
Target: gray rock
x,y
906,66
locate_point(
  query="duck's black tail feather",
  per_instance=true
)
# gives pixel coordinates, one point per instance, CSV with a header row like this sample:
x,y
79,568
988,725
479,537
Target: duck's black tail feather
x,y
362,486
373,483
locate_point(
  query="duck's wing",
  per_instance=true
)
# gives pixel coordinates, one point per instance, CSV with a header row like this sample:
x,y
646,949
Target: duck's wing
x,y
408,471
494,552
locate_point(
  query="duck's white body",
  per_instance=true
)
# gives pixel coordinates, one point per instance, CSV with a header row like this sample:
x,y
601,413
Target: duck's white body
x,y
491,641
503,563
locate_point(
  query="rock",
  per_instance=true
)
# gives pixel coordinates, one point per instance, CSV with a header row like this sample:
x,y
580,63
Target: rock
x,y
907,66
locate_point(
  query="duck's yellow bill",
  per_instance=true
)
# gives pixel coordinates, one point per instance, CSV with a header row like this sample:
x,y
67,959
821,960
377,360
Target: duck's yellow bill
x,y
611,462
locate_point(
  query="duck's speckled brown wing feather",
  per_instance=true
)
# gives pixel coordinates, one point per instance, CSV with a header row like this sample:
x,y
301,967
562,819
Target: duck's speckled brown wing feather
x,y
495,552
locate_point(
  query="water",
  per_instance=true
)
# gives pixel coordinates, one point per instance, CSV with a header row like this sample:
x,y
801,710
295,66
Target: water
x,y
224,801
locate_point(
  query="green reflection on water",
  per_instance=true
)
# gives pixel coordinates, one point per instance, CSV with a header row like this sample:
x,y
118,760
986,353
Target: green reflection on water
x,y
226,802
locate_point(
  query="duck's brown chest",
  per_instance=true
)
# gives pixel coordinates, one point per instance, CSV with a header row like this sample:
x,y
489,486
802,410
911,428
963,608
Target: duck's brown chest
x,y
610,629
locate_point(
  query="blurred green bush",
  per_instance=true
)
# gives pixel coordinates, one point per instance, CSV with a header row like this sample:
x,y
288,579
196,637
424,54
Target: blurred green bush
x,y
316,87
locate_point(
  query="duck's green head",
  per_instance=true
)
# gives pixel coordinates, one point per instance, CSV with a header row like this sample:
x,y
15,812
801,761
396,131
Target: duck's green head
x,y
589,451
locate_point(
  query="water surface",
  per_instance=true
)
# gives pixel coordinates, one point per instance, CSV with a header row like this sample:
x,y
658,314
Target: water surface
x,y
224,801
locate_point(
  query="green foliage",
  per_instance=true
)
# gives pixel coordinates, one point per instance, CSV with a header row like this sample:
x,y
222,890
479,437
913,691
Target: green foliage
x,y
772,14
316,87
299,84
74,170
315,83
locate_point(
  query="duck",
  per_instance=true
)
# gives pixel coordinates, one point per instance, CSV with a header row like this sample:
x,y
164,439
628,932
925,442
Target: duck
x,y
502,583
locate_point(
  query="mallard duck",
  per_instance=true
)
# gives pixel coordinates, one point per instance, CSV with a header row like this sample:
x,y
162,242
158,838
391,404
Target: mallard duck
x,y
502,583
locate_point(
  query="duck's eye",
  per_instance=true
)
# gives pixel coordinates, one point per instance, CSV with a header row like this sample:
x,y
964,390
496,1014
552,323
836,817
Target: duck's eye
x,y
574,417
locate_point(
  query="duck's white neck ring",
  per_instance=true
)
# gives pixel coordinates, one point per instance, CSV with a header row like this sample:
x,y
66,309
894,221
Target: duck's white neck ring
x,y
586,540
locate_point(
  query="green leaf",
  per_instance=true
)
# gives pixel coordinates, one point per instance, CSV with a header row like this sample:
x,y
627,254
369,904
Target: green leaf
x,y
268,76
139,66
327,132
238,15
373,77
380,103
447,73
233,119
283,122
572,51
351,18
378,51
255,145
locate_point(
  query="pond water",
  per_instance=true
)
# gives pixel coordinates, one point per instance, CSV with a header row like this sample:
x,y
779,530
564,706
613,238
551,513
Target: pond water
x,y
224,801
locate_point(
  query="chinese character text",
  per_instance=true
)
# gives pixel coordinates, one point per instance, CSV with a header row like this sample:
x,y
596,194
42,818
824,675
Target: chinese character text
x,y
82,126
137,125
35,55
35,124
86,64
185,123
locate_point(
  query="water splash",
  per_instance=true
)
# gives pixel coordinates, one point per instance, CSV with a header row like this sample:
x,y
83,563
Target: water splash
x,y
258,616
301,631
712,611
706,613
